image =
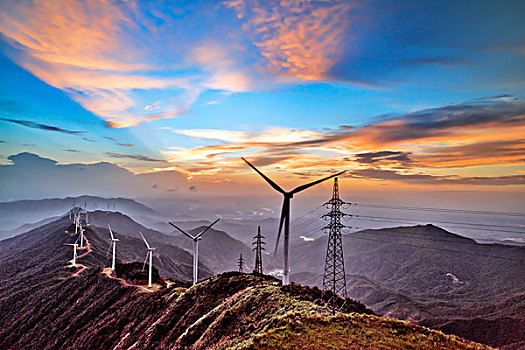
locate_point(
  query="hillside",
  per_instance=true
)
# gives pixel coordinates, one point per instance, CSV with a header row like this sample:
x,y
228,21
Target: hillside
x,y
430,276
231,311
42,250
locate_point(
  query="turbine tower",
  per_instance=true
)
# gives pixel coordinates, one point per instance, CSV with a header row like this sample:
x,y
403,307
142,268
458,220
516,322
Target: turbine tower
x,y
195,240
241,264
77,223
285,215
334,278
258,251
75,245
114,246
86,213
81,236
148,254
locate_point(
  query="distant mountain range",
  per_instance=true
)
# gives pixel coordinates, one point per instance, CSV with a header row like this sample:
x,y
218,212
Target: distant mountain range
x,y
47,304
15,216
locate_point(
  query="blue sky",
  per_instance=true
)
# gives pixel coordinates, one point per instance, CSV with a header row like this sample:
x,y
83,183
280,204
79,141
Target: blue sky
x,y
299,86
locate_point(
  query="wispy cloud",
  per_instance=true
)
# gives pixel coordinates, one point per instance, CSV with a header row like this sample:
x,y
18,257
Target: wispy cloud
x,y
139,157
34,125
427,179
125,144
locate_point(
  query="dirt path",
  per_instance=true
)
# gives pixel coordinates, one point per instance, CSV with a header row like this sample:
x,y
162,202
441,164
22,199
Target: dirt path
x,y
155,287
87,249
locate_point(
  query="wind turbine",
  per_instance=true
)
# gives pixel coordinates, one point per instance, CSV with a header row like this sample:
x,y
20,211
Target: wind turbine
x,y
195,240
86,213
77,223
150,255
75,245
114,246
81,236
285,215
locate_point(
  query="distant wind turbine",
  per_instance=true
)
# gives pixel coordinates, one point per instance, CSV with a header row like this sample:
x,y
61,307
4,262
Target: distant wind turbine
x,y
86,213
81,236
114,246
75,245
195,240
150,255
285,215
77,223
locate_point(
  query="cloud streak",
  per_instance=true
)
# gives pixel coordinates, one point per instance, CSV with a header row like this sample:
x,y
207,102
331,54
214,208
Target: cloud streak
x,y
426,179
139,157
45,127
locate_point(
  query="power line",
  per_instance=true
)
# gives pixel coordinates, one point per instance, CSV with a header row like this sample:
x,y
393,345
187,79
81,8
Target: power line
x,y
389,219
302,216
412,235
400,234
306,224
439,249
446,210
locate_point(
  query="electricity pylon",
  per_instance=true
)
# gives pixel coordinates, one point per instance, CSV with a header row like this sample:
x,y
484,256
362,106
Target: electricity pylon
x,y
258,252
334,279
241,264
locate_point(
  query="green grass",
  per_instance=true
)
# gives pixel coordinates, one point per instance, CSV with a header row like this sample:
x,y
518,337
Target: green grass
x,y
354,331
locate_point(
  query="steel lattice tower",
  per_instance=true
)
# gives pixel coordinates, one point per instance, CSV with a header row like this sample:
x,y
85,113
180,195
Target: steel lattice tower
x,y
241,264
258,251
334,279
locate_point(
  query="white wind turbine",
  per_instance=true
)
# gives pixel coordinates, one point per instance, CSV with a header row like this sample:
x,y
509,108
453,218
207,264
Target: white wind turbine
x,y
114,246
195,240
86,213
150,255
75,245
81,237
77,222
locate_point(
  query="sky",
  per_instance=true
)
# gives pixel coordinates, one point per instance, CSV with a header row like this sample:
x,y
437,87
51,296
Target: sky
x,y
162,98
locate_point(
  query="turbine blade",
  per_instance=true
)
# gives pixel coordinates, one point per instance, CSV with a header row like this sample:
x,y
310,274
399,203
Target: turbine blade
x,y
107,252
273,184
144,239
284,214
147,256
182,231
207,228
304,187
111,233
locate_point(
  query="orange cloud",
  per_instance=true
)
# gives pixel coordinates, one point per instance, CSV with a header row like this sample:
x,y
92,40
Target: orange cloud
x,y
298,39
427,145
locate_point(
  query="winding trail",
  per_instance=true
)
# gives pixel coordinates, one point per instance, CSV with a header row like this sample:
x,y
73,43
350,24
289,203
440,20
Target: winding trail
x,y
88,250
155,287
